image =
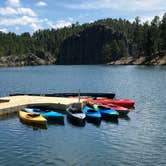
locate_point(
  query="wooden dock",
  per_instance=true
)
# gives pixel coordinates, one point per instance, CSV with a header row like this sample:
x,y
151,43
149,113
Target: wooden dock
x,y
15,103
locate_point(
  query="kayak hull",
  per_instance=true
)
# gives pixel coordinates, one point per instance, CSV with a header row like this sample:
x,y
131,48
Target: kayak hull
x,y
121,110
109,113
29,118
91,113
128,103
105,111
50,115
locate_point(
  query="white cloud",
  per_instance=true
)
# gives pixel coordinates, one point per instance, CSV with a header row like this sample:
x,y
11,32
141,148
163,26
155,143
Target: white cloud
x,y
34,22
36,26
14,3
17,11
58,24
122,5
62,23
49,23
148,18
17,28
17,16
24,20
41,3
5,30
71,19
27,11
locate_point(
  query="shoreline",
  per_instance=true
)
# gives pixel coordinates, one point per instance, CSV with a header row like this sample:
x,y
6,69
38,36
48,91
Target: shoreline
x,y
157,61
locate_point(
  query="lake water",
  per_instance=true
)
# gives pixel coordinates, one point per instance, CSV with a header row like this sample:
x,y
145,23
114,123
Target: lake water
x,y
139,139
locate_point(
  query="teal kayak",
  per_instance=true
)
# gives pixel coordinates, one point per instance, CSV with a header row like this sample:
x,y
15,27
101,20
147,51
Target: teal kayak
x,y
48,114
91,113
106,111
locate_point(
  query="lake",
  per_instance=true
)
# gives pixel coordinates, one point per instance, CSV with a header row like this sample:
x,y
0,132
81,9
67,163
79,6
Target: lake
x,y
138,139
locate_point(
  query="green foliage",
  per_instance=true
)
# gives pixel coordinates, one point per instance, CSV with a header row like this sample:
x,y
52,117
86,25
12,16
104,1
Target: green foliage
x,y
163,32
99,42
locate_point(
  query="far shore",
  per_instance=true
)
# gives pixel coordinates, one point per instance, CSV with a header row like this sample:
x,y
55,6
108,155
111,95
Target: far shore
x,y
157,61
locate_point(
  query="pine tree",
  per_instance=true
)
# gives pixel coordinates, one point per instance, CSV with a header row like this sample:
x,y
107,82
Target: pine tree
x,y
163,32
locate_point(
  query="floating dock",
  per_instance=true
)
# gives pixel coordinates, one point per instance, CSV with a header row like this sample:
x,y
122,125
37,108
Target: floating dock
x,y
107,95
15,103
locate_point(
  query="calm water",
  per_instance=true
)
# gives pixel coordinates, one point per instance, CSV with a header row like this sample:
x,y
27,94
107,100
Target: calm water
x,y
139,139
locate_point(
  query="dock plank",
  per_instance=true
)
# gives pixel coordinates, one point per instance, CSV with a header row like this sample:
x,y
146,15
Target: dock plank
x,y
17,102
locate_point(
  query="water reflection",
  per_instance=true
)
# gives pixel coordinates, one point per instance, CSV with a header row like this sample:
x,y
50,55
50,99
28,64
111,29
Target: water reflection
x,y
76,123
111,120
8,116
125,117
34,126
95,122
56,122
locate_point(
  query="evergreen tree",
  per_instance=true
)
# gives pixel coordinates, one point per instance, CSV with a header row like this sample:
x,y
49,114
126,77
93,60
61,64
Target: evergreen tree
x,y
156,34
163,32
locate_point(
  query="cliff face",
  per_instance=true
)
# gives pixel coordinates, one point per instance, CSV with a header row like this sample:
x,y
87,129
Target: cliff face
x,y
90,46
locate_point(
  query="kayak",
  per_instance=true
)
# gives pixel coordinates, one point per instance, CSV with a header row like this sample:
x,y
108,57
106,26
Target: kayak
x,y
32,118
106,111
48,114
121,102
91,113
52,115
120,109
75,114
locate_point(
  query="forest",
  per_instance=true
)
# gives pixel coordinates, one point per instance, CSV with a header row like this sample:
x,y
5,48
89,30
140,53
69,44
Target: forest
x,y
106,41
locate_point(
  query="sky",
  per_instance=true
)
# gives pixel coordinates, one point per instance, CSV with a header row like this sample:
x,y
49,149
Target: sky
x,y
31,15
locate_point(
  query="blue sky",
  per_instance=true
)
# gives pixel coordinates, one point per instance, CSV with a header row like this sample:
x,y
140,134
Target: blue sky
x,y
30,15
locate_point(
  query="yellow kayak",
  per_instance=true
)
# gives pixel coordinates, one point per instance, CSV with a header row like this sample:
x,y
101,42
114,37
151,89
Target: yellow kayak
x,y
32,118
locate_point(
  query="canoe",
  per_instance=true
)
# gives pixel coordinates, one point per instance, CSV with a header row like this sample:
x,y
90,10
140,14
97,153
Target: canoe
x,y
91,113
106,111
48,114
32,118
75,114
121,102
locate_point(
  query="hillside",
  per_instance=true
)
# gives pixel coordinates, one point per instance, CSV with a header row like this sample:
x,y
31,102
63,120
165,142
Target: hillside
x,y
107,41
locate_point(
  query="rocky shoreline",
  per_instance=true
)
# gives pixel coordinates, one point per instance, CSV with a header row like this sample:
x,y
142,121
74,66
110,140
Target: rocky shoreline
x,y
139,61
26,60
33,60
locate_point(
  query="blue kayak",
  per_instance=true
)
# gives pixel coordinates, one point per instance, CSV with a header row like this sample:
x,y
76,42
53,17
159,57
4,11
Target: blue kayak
x,y
91,113
48,114
106,112
52,115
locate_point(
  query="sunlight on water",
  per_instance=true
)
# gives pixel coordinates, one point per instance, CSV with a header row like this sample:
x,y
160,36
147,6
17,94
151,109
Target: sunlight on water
x,y
137,139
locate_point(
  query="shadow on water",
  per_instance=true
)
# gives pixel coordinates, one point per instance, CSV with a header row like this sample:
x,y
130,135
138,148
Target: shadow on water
x,y
56,121
34,126
8,116
75,123
95,122
124,117
110,120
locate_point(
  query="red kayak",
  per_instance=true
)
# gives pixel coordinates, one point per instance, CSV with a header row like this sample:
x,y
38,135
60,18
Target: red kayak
x,y
120,109
121,102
